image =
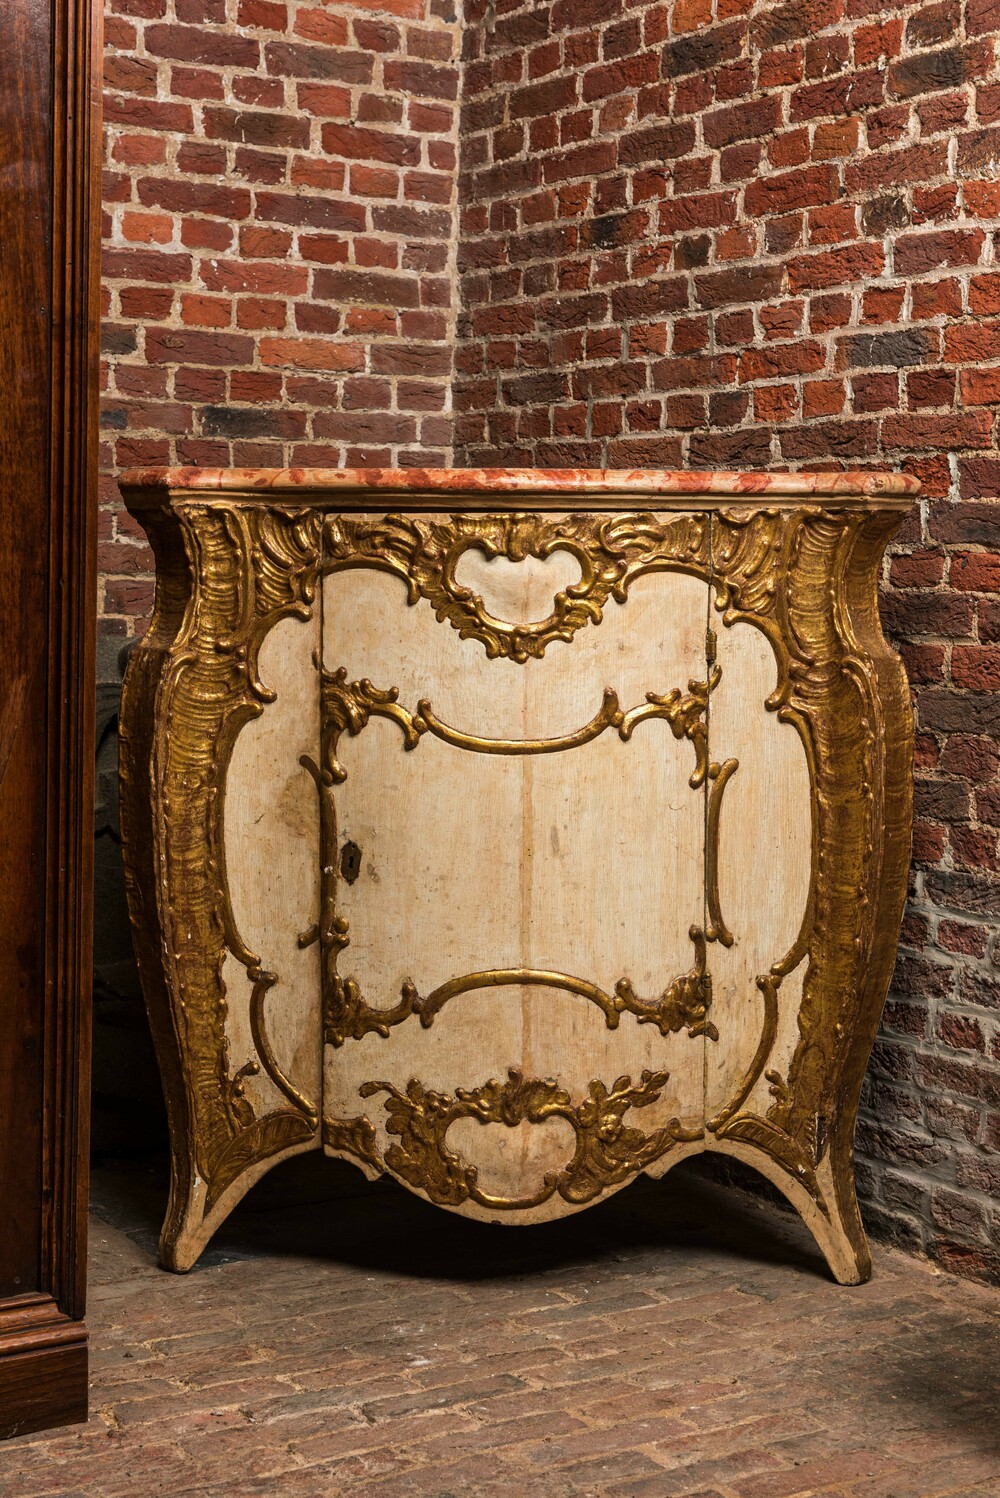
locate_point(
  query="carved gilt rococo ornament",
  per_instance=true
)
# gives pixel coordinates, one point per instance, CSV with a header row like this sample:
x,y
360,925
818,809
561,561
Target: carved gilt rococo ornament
x,y
612,550
607,1151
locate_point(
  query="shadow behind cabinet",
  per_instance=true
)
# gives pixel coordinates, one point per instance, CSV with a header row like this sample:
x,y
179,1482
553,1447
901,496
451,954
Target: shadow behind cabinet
x,y
49,247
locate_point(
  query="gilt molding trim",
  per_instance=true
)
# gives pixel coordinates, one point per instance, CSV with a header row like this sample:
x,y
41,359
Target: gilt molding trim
x,y
719,776
682,1006
811,587
225,577
348,706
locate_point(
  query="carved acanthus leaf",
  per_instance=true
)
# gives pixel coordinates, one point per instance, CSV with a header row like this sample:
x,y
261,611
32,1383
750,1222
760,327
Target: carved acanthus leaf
x,y
610,551
607,1152
683,1004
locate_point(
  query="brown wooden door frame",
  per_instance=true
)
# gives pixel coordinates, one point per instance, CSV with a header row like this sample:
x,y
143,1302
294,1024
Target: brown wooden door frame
x,y
49,316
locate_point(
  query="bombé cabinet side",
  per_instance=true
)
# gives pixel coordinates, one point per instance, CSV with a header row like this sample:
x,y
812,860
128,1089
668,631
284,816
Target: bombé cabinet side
x,y
516,839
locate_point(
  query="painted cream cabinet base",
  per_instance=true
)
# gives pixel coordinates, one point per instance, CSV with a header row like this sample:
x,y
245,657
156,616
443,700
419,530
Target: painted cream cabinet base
x,y
515,834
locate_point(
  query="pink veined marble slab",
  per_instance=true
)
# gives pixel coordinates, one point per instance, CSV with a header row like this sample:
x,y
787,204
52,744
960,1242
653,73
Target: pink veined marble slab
x,y
865,486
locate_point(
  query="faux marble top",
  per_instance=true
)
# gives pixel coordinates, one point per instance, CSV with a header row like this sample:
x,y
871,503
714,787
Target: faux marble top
x,y
868,487
548,489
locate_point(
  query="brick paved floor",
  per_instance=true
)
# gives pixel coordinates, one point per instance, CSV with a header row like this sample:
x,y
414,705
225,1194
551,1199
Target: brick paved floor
x,y
678,1341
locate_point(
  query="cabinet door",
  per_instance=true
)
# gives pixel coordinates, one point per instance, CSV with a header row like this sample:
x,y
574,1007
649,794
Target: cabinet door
x,y
514,766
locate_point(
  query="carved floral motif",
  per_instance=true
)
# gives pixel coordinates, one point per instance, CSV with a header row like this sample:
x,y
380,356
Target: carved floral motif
x,y
608,1151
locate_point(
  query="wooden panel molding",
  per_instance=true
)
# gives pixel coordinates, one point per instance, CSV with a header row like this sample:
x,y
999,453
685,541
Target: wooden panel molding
x,y
49,225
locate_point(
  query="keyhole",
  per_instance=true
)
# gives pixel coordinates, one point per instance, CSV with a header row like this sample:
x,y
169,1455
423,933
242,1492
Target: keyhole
x,y
350,862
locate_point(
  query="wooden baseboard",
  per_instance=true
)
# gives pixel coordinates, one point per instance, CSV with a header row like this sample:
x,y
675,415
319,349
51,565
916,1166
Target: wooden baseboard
x,y
43,1366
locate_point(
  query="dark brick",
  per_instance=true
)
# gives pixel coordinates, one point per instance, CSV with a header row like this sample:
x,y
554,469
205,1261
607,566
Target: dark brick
x,y
742,121
788,23
874,350
928,72
294,60
739,449
915,254
703,50
935,23
248,421
971,524
880,215
666,142
728,287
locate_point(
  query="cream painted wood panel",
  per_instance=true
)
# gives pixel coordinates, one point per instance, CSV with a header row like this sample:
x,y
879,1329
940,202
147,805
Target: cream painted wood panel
x,y
271,842
585,862
765,840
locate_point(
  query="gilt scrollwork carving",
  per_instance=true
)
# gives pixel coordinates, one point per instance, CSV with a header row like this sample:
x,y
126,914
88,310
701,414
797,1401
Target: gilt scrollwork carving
x,y
682,1006
249,569
608,1151
808,580
348,706
353,1136
268,1060
611,551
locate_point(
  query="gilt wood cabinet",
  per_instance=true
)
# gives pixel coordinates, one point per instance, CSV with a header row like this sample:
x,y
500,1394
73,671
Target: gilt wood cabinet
x,y
515,832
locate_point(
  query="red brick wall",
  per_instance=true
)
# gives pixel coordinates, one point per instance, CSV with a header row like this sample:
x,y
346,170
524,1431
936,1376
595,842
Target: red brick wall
x,y
716,234
278,244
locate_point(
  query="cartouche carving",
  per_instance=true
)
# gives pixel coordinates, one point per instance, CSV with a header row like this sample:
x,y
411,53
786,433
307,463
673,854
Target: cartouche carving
x,y
607,1151
611,552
